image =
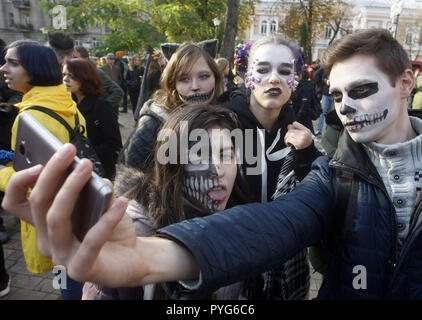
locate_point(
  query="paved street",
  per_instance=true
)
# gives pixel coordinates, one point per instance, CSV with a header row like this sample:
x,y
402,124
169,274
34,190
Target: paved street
x,y
28,286
25,285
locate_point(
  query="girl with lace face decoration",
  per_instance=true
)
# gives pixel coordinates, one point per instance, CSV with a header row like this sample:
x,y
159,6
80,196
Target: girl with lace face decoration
x,y
366,101
270,76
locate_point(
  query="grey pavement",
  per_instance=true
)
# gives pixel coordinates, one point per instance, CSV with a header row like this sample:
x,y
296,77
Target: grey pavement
x,y
26,285
29,286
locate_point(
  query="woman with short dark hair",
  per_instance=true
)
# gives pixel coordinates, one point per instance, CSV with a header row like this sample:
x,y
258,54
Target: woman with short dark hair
x,y
39,62
33,69
82,80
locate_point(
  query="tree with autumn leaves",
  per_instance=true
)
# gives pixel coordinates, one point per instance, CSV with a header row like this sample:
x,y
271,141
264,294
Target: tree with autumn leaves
x,y
305,21
136,24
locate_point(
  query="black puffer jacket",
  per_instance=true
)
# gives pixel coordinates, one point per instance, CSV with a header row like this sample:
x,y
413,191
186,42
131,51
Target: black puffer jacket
x,y
138,150
264,235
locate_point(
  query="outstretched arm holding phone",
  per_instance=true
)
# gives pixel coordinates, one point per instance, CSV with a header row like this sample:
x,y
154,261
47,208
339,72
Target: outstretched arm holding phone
x,y
110,253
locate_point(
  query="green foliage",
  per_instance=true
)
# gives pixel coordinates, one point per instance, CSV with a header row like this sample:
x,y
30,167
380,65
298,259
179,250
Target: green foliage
x,y
134,24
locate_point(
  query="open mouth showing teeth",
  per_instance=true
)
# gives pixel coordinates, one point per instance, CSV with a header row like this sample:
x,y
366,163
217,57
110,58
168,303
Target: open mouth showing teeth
x,y
366,120
205,191
273,92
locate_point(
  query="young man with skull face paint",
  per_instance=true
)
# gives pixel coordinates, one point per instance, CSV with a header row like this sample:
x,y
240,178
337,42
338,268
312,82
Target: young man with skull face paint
x,y
378,257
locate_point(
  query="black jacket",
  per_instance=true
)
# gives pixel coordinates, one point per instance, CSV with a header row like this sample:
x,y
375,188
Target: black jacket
x,y
152,83
133,80
138,150
303,98
264,235
303,158
102,130
320,83
7,113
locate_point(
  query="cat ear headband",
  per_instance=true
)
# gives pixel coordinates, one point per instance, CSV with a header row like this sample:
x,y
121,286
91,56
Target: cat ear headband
x,y
209,45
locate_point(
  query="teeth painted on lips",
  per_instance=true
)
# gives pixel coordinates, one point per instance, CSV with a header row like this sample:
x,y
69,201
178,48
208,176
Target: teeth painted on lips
x,y
367,119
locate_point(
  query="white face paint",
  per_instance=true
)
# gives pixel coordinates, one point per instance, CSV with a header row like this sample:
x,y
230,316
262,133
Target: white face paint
x,y
366,102
271,75
210,175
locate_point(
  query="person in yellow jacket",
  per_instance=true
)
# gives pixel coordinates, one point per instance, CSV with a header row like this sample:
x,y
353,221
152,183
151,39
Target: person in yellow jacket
x,y
34,70
417,98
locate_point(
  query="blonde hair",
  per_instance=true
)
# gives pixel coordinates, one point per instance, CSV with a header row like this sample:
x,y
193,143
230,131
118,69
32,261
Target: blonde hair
x,y
132,62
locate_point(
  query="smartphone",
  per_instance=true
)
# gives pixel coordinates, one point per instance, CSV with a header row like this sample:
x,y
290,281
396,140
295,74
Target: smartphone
x,y
35,144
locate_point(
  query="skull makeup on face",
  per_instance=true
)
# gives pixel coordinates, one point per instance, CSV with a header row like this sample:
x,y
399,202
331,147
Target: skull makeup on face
x,y
271,75
200,176
211,171
366,101
198,98
197,84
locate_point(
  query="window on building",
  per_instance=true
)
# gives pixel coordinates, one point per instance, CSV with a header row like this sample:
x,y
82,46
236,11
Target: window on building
x,y
11,19
264,27
328,32
26,20
409,37
273,27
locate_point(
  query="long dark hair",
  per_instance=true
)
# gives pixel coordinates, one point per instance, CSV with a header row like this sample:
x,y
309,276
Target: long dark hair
x,y
161,188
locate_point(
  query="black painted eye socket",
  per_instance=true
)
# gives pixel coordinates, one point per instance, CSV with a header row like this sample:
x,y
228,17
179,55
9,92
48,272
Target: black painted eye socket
x,y
337,96
363,91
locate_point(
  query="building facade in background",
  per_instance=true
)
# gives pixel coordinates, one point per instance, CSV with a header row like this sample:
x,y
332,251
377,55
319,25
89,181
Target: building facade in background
x,y
24,19
405,24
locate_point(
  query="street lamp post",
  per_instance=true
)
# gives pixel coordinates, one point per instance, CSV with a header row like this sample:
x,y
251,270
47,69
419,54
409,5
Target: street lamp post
x,y
395,12
216,22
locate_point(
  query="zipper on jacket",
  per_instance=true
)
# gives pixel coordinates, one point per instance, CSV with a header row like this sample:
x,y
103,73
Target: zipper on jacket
x,y
414,231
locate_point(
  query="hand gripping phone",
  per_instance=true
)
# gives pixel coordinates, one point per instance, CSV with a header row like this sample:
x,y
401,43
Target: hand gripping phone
x,y
35,144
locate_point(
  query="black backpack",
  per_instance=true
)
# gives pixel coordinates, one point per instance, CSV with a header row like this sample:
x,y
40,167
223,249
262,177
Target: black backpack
x,y
76,137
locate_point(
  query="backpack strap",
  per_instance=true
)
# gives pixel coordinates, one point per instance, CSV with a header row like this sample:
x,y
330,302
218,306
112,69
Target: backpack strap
x,y
54,115
346,188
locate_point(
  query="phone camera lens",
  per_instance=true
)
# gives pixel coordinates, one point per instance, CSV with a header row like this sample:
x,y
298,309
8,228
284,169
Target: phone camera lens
x,y
22,148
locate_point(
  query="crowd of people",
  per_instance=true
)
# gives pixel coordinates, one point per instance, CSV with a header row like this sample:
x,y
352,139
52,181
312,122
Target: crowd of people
x,y
224,189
